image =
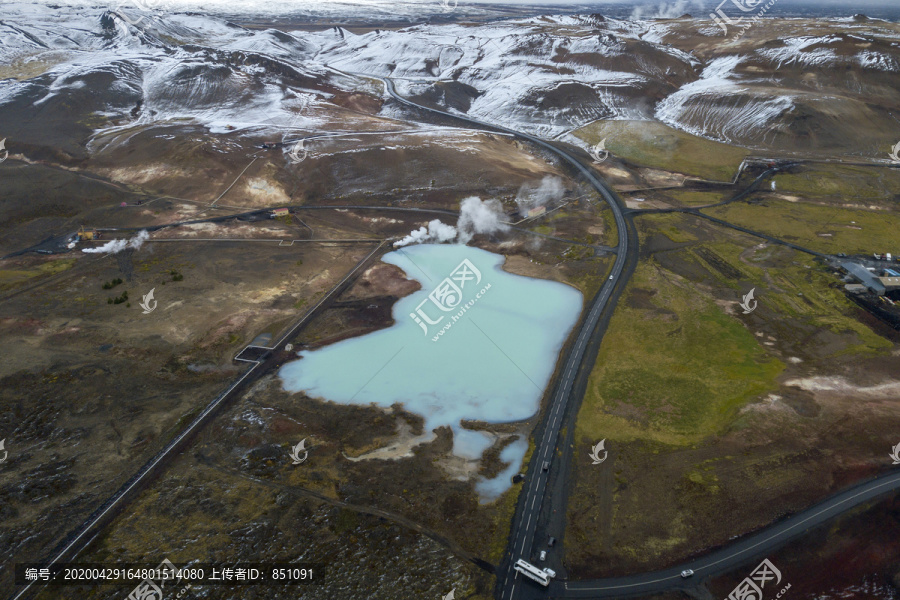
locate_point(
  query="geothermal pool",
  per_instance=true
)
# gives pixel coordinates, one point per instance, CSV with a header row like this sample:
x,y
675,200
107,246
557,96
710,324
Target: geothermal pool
x,y
474,343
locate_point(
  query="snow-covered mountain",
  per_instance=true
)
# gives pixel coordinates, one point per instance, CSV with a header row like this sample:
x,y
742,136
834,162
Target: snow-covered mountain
x,y
544,74
795,86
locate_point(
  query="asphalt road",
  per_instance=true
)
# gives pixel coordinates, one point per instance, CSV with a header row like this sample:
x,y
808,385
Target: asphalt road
x,y
745,550
58,244
510,584
88,530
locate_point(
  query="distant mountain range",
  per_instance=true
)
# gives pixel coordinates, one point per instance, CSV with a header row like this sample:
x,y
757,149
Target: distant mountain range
x,y
793,87
412,11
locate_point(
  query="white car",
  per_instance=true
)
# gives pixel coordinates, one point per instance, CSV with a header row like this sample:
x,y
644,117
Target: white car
x,y
687,573
543,555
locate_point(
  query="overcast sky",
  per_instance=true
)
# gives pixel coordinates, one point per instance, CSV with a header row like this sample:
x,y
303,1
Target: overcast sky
x,y
570,3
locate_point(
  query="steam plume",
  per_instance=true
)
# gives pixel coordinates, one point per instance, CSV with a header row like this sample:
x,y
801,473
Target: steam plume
x,y
475,216
116,246
530,196
669,10
436,231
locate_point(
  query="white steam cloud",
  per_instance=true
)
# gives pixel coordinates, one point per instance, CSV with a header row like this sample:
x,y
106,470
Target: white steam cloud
x,y
475,216
669,10
116,246
436,232
531,196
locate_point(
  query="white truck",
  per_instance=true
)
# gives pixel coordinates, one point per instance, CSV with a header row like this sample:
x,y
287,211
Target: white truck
x,y
542,576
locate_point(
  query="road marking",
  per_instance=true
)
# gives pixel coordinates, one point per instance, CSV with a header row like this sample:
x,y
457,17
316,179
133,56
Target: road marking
x,y
153,464
890,481
577,356
193,425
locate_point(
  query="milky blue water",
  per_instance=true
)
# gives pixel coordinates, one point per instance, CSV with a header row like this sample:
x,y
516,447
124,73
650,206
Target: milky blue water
x,y
513,454
483,346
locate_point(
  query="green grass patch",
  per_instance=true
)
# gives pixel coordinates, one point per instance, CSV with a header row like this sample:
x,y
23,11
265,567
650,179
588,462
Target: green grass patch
x,y
589,280
706,482
801,288
791,284
12,277
822,228
651,144
610,231
695,198
575,253
670,225
676,373
845,183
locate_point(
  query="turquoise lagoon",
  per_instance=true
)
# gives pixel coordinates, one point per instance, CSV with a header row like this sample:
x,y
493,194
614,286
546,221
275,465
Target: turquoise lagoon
x,y
474,343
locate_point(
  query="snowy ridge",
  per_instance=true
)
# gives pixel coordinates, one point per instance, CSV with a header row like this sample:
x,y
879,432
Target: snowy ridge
x,y
252,80
828,52
516,66
547,75
716,106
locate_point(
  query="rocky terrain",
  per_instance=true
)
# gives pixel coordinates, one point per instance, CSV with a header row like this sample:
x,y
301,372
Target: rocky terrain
x,y
186,125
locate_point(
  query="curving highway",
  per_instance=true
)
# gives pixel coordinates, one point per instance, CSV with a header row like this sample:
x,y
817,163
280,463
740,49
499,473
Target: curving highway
x,y
509,585
736,553
530,502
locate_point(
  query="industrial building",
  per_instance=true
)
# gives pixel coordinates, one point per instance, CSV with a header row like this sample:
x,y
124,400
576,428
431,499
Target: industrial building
x,y
872,282
536,211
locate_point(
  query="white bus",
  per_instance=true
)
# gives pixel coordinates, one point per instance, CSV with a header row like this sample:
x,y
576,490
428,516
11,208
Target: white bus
x,y
542,576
